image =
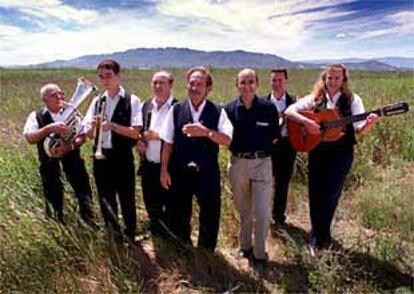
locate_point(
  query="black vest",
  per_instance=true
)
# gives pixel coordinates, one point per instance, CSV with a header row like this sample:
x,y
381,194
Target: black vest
x,y
201,151
347,141
289,99
43,119
122,116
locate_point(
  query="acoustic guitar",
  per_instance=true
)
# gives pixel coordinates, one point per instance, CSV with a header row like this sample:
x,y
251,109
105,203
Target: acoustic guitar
x,y
331,125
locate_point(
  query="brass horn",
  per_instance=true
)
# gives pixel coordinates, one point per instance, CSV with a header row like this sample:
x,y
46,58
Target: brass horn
x,y
71,117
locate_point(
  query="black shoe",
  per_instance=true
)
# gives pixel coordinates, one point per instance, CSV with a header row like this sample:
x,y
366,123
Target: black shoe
x,y
279,220
260,265
245,253
313,244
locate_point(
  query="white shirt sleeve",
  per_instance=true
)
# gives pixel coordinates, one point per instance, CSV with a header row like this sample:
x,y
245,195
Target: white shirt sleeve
x,y
168,128
31,124
224,124
136,113
303,104
90,113
357,107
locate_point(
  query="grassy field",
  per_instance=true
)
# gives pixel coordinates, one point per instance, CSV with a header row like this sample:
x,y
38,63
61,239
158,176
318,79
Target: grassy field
x,y
373,227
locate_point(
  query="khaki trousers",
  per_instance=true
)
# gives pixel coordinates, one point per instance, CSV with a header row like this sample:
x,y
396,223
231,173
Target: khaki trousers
x,y
252,186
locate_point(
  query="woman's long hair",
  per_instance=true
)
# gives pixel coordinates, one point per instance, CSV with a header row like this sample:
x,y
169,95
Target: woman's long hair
x,y
320,89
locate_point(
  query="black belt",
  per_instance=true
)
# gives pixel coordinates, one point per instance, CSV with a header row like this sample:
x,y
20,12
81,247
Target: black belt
x,y
252,155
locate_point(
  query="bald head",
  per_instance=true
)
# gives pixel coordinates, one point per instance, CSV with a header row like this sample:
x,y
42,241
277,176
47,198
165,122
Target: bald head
x,y
161,84
247,72
247,82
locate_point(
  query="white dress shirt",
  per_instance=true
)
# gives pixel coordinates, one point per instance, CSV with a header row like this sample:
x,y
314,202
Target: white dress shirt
x,y
281,106
111,102
158,116
168,128
308,102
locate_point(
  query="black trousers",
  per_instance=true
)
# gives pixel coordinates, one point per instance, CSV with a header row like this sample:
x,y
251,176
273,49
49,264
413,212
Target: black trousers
x,y
205,185
51,174
156,199
328,170
283,159
114,176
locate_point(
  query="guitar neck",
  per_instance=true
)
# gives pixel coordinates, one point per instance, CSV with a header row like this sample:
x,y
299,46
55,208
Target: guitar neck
x,y
349,119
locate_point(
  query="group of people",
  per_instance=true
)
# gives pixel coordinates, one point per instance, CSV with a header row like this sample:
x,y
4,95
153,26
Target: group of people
x,y
178,144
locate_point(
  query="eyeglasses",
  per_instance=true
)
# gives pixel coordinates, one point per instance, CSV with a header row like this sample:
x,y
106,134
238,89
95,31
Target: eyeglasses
x,y
57,94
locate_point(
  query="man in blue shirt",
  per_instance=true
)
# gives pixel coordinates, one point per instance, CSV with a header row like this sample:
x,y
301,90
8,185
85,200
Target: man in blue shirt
x,y
256,129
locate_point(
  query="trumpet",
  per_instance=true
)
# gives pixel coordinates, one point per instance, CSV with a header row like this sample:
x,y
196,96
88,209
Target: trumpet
x,y
99,129
71,117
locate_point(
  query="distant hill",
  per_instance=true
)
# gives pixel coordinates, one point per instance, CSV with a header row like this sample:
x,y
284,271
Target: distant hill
x,y
184,58
397,62
178,57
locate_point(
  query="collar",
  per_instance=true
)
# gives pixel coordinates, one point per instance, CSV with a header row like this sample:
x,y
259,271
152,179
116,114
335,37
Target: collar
x,y
239,102
121,93
200,108
283,98
45,109
335,97
167,103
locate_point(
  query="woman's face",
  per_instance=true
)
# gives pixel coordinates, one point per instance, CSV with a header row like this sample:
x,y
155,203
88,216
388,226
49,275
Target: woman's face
x,y
334,80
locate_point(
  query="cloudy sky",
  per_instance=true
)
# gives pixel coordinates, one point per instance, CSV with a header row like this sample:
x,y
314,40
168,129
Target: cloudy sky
x,y
34,31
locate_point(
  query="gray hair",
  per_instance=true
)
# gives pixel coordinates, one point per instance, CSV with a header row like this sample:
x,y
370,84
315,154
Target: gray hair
x,y
44,91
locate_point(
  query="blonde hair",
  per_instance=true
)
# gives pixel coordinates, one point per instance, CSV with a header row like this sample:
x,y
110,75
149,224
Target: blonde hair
x,y
320,89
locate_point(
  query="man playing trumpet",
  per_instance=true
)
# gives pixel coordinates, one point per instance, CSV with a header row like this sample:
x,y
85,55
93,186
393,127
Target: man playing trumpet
x,y
38,126
121,120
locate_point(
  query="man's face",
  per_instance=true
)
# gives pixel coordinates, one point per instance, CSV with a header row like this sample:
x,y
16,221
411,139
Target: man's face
x,y
197,86
54,99
109,79
247,83
161,86
278,82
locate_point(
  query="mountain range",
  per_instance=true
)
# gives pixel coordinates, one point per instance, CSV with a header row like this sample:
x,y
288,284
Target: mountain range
x,y
183,58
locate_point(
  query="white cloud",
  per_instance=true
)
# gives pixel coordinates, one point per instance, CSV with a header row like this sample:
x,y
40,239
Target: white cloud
x,y
9,31
45,9
198,24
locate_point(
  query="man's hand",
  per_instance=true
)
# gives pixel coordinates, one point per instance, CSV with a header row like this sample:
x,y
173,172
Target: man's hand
x,y
58,128
195,130
150,135
106,126
165,179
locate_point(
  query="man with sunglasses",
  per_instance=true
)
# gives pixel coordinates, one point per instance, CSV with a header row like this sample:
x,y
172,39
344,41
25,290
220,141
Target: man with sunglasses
x,y
256,129
38,126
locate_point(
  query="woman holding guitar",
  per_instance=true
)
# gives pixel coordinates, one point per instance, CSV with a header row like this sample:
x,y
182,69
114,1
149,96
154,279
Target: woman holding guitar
x,y
331,161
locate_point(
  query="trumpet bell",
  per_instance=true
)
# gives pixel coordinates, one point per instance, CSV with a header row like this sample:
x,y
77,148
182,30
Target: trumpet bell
x,y
99,156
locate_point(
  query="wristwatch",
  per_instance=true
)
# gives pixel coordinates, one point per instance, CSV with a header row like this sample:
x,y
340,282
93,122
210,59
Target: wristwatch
x,y
210,134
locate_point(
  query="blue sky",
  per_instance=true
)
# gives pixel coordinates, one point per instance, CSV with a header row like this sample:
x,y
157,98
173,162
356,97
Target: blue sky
x,y
34,31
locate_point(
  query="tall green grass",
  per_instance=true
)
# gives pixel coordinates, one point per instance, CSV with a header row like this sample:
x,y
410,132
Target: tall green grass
x,y
374,222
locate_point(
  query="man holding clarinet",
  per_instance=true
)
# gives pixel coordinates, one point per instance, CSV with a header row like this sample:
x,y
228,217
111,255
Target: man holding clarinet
x,y
154,112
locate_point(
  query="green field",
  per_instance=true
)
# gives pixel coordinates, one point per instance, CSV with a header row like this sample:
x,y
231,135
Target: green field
x,y
374,224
